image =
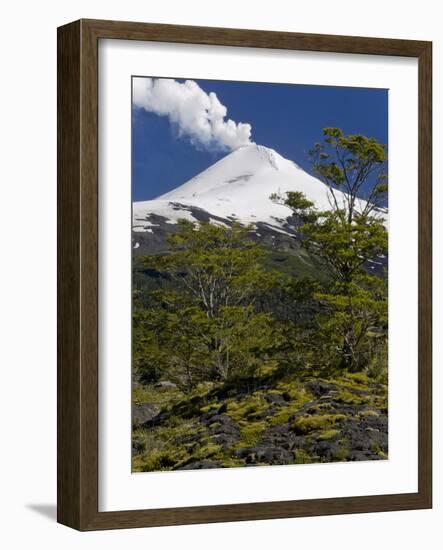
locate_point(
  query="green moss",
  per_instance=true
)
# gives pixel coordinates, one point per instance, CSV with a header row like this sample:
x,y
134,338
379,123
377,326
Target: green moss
x,y
231,462
156,396
307,424
208,449
360,389
207,408
193,403
159,451
162,459
356,381
283,415
380,402
181,438
349,398
298,396
358,378
170,456
302,457
296,391
250,433
147,440
367,413
319,408
327,434
249,406
137,463
341,454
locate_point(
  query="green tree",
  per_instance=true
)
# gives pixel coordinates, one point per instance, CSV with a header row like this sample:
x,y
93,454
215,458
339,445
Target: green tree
x,y
344,247
207,326
217,266
347,238
349,163
171,341
352,326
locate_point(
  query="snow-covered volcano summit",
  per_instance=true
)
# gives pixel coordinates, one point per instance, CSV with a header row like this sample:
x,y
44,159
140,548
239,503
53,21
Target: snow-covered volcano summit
x,y
237,187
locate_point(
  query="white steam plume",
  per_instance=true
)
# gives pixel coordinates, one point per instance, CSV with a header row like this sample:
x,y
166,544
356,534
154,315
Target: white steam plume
x,y
196,115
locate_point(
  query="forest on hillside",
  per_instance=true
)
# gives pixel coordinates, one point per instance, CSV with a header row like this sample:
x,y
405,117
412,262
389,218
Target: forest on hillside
x,y
241,357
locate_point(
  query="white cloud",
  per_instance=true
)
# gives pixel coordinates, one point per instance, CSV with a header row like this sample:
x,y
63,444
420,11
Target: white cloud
x,y
196,115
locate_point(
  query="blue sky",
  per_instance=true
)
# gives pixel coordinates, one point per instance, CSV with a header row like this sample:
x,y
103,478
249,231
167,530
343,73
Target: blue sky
x,y
286,117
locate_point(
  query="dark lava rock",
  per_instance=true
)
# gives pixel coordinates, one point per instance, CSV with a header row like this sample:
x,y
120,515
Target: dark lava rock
x,y
222,429
363,455
137,447
319,388
206,418
156,420
166,384
201,465
281,436
220,423
379,422
143,413
267,455
275,399
340,408
225,440
265,414
187,439
327,450
362,437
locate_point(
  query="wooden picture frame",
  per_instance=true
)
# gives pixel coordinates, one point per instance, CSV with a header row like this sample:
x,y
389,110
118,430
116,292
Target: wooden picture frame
x,y
78,274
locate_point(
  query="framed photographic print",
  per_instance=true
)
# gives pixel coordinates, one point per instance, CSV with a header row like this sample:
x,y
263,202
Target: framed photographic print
x,y
244,275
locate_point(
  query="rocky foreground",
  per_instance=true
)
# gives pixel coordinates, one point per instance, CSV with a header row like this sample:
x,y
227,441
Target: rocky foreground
x,y
295,422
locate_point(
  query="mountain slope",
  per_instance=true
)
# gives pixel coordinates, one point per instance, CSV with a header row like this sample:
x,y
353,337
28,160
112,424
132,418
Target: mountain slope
x,y
237,187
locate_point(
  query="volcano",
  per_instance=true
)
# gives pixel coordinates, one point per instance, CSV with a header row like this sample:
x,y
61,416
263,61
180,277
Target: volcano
x,y
236,188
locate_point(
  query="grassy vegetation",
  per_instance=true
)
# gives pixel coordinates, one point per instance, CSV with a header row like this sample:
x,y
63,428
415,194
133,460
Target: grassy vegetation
x,y
182,439
245,353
